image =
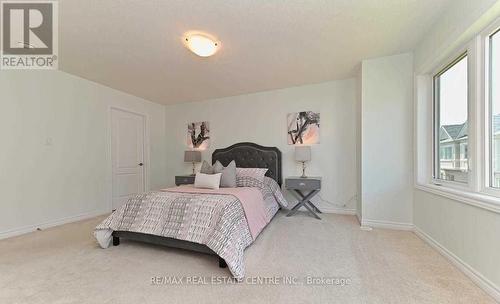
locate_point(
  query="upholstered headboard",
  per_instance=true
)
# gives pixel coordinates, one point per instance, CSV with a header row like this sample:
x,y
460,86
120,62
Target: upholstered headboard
x,y
250,155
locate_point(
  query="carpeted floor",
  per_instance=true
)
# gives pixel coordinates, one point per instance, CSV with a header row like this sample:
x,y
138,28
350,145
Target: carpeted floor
x,y
65,265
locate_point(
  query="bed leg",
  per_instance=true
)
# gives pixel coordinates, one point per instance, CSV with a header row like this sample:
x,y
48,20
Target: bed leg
x,y
222,263
116,241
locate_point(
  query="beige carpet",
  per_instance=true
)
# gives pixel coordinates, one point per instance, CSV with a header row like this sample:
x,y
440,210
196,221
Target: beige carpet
x,y
65,265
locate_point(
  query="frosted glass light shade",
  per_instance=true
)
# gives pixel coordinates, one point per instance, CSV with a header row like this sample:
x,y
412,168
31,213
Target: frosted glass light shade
x,y
201,45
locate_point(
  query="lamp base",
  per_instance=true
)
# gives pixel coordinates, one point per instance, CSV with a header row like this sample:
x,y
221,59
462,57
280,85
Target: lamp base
x,y
194,169
303,170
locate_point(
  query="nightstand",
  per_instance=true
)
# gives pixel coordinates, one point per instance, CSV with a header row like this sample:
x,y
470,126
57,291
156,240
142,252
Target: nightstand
x,y
304,189
184,180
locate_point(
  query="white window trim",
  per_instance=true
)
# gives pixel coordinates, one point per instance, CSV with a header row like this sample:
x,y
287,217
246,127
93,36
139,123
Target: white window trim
x,y
485,110
488,202
477,191
469,51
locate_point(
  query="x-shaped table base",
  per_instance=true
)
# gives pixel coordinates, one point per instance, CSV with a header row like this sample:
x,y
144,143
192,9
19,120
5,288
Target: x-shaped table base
x,y
305,200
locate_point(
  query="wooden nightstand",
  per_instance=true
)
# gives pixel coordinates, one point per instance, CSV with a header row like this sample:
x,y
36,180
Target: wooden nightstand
x,y
184,180
298,187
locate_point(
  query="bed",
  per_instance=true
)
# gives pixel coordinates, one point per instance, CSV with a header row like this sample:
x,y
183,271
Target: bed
x,y
220,223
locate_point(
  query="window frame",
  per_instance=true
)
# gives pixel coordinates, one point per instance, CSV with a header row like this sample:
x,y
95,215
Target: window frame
x,y
476,192
444,66
486,142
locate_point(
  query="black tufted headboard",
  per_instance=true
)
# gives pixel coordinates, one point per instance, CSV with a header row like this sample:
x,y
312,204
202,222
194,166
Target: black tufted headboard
x,y
250,155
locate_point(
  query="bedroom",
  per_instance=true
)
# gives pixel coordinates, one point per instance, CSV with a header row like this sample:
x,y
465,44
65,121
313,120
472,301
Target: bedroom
x,y
401,221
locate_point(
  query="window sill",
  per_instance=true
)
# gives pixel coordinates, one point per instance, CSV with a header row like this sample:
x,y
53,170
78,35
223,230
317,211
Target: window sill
x,y
479,200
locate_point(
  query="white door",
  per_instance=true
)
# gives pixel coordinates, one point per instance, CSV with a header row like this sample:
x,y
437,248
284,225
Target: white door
x,y
127,152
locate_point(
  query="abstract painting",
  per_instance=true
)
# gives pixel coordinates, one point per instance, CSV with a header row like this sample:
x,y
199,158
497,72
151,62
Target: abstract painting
x,y
198,135
303,128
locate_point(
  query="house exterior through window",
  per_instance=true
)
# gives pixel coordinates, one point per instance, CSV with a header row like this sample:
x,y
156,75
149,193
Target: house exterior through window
x,y
451,122
453,158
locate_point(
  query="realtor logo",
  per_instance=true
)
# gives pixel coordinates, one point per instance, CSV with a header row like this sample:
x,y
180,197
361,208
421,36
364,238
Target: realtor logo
x,y
29,36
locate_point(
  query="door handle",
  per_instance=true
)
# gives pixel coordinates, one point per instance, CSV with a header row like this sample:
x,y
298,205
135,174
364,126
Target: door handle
x,y
141,164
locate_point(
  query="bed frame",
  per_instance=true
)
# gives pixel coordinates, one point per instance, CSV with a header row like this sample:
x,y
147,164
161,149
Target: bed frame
x,y
246,155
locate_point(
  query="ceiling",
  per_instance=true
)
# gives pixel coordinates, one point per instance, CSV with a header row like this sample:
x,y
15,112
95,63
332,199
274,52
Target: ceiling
x,y
137,46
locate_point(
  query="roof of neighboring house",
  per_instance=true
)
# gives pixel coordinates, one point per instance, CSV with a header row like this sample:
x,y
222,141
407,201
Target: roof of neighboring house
x,y
452,131
459,131
463,131
443,135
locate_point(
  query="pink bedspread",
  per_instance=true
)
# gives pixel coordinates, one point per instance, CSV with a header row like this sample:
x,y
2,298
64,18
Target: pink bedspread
x,y
251,200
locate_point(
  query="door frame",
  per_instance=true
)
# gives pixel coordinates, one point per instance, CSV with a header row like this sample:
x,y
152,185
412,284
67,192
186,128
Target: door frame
x,y
109,154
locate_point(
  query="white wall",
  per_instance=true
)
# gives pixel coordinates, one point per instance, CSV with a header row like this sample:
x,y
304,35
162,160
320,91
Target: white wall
x,y
45,184
387,141
261,118
469,233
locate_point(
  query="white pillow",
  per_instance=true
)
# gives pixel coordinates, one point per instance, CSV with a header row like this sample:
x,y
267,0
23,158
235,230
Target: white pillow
x,y
208,181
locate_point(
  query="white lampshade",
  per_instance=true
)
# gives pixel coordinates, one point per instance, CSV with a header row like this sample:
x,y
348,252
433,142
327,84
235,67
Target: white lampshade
x,y
302,153
192,156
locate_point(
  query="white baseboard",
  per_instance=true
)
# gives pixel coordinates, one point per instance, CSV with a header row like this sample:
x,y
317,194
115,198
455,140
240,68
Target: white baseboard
x,y
387,225
485,284
335,210
48,224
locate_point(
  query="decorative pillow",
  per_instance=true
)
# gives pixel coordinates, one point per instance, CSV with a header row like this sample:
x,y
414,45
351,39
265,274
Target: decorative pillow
x,y
206,168
276,190
208,181
228,178
250,177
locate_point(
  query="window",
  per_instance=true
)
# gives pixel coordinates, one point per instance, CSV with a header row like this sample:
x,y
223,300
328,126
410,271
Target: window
x,y
463,151
457,127
450,122
446,152
494,99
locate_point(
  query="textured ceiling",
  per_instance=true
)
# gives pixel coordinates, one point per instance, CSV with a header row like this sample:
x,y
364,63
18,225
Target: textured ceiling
x,y
136,46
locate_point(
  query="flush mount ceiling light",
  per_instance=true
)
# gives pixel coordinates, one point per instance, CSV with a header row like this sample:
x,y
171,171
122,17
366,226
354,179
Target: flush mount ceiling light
x,y
201,45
